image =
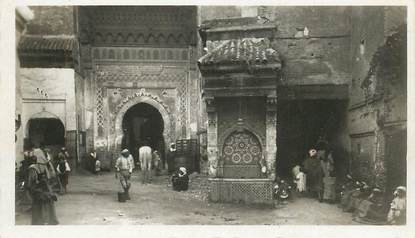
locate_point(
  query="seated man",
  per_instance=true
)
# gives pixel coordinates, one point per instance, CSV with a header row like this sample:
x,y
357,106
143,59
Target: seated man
x,y
180,180
397,211
371,210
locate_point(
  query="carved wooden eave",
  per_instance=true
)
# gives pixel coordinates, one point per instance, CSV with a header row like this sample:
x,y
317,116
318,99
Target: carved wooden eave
x,y
237,68
234,28
140,25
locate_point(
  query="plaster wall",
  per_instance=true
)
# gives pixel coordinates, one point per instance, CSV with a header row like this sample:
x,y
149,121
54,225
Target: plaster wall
x,y
320,58
51,20
59,86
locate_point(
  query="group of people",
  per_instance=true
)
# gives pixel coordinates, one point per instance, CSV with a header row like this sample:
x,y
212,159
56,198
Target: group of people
x,y
43,178
369,204
149,160
316,176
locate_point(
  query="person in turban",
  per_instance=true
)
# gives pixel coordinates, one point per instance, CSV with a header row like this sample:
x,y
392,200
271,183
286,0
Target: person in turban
x,y
314,172
124,169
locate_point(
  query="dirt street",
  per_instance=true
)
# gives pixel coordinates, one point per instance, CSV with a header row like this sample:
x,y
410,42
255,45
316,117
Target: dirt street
x,y
92,200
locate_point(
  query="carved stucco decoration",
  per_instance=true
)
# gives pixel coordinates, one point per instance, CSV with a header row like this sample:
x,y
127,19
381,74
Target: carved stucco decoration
x,y
142,97
144,73
142,25
141,93
245,127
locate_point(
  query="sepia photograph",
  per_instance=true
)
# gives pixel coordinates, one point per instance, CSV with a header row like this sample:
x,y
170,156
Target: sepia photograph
x,y
210,115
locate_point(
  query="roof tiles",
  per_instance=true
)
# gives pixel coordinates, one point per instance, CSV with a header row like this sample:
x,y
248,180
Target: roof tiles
x,y
46,43
241,51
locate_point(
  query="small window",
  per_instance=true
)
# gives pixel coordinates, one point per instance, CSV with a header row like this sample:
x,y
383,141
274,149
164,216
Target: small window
x,y
126,54
141,54
156,54
111,54
362,47
169,55
104,53
96,53
163,54
184,55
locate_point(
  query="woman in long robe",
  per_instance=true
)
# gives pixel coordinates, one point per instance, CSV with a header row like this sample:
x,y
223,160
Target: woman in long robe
x,y
43,207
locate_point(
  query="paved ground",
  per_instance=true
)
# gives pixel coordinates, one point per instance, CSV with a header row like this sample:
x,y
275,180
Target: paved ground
x,y
93,200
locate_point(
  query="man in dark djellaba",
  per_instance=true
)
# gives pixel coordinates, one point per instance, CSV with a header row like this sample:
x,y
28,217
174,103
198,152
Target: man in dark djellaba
x,y
43,198
315,174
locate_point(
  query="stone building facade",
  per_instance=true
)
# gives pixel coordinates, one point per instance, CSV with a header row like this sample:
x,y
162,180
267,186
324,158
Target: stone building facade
x,y
132,56
377,107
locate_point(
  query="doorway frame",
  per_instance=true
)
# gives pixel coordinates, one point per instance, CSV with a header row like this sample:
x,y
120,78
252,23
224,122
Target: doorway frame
x,y
159,106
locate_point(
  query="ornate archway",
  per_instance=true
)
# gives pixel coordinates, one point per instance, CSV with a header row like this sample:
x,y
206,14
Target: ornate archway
x,y
168,133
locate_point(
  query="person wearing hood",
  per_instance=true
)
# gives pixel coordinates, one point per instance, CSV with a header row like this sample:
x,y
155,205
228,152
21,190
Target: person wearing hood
x,y
43,197
94,163
397,211
170,158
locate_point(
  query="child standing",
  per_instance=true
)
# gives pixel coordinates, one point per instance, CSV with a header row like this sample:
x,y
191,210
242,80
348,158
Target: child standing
x,y
63,170
299,179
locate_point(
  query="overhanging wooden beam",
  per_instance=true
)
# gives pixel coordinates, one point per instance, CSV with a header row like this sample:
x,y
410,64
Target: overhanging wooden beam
x,y
310,92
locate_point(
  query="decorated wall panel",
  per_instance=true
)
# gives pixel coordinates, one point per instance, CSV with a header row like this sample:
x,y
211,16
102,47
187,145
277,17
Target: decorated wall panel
x,y
140,54
250,109
142,25
166,83
241,155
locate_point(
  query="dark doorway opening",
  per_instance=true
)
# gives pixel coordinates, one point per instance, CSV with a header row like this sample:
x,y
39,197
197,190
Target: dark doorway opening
x,y
300,125
49,132
143,122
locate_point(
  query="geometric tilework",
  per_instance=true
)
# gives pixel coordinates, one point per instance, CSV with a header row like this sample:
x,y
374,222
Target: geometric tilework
x,y
100,110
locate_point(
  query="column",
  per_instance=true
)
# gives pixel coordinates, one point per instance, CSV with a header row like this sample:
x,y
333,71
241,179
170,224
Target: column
x,y
212,136
271,135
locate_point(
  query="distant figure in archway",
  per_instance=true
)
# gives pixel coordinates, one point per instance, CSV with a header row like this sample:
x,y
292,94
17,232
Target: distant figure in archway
x,y
156,162
145,160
